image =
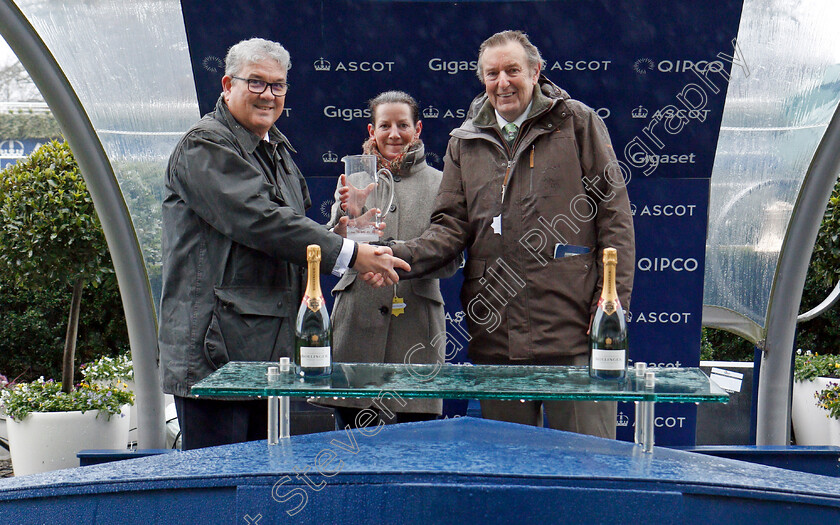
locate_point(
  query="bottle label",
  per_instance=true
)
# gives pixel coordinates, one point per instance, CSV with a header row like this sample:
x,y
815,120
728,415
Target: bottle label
x,y
609,359
314,356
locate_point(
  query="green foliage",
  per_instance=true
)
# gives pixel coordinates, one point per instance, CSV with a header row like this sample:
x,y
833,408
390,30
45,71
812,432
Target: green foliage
x,y
719,345
33,325
49,230
28,125
829,399
46,396
50,235
808,365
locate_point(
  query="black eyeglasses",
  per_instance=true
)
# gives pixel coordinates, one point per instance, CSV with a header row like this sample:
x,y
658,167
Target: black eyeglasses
x,y
278,89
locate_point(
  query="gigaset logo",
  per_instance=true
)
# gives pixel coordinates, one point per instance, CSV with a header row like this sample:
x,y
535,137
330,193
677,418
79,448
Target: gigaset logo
x,y
11,148
452,66
346,114
640,159
365,66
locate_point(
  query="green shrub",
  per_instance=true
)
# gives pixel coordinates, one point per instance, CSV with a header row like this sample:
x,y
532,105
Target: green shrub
x,y
50,235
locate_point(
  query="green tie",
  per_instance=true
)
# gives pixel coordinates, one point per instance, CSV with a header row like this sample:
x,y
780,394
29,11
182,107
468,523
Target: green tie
x,y
510,132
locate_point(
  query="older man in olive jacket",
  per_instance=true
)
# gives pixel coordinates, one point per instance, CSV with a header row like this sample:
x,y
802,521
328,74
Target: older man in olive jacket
x,y
531,188
234,242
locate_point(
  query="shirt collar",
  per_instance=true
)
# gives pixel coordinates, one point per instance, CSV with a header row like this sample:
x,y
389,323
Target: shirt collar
x,y
500,120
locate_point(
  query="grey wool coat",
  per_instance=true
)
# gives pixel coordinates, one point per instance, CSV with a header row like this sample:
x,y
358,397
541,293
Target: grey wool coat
x,y
364,327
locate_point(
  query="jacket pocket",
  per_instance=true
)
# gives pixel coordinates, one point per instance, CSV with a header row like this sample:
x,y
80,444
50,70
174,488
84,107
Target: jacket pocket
x,y
248,324
345,282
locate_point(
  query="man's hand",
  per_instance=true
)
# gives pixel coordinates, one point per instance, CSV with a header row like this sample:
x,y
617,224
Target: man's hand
x,y
353,199
376,265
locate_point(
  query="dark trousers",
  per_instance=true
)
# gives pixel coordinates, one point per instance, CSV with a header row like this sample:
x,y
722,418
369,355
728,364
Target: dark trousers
x,y
595,418
211,422
346,416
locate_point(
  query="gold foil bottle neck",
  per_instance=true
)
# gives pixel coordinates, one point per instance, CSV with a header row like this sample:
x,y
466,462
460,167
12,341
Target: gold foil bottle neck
x,y
313,253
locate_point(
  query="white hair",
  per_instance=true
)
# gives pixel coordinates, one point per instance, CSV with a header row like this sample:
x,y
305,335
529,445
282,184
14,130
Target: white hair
x,y
253,51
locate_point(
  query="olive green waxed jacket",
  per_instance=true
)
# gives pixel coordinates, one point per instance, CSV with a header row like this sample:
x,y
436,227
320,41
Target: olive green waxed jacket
x,y
233,247
563,189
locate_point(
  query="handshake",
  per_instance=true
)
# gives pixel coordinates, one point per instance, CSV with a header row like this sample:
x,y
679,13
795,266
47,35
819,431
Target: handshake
x,y
375,264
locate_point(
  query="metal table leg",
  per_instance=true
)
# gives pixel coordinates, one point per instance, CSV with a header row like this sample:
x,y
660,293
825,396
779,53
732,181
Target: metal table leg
x,y
278,406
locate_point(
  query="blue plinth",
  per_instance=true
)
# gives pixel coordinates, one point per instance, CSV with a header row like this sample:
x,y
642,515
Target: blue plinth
x,y
463,470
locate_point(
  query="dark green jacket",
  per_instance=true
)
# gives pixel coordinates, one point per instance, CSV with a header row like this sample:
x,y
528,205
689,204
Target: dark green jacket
x,y
234,244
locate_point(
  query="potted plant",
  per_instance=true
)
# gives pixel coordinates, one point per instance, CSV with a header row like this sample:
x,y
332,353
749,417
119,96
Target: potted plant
x,y
114,372
47,425
50,234
812,374
829,400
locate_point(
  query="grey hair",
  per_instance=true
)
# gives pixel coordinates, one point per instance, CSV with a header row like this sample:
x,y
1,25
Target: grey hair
x,y
502,38
394,97
253,51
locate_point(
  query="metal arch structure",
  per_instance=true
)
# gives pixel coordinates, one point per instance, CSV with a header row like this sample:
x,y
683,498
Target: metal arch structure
x,y
775,379
110,205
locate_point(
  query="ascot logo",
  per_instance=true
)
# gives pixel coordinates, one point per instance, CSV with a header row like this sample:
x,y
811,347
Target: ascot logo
x,y
11,148
665,210
329,157
353,66
431,112
639,112
661,317
581,65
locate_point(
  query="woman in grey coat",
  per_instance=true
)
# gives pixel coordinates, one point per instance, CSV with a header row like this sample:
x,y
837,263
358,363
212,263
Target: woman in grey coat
x,y
403,323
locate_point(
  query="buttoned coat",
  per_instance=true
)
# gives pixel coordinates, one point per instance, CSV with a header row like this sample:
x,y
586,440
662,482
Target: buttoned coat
x,y
233,245
364,326
562,186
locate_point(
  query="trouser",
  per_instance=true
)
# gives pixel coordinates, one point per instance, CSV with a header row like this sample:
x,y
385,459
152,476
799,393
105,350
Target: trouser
x,y
211,422
595,418
346,416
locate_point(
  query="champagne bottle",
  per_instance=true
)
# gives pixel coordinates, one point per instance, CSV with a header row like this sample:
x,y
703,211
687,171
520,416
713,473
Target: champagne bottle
x,y
608,334
313,352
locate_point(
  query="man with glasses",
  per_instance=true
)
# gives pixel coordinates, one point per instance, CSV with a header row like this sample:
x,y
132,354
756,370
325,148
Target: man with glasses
x,y
234,244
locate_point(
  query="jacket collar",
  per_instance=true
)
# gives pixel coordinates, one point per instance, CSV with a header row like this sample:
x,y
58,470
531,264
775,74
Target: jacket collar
x,y
245,137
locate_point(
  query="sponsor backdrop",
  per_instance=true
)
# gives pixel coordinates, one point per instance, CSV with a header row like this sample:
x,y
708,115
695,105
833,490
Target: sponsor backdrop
x,y
12,150
655,72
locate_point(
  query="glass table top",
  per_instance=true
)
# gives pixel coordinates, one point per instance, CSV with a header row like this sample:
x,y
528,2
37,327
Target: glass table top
x,y
449,381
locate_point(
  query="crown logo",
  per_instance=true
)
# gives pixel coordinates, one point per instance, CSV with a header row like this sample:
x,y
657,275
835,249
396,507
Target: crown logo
x,y
322,65
632,209
622,420
431,112
640,112
329,157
